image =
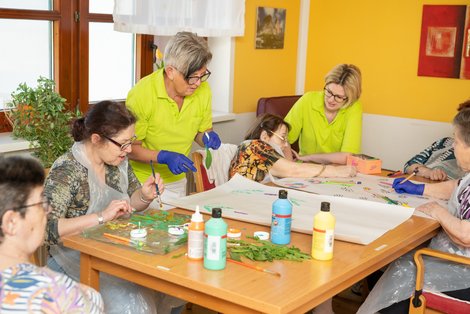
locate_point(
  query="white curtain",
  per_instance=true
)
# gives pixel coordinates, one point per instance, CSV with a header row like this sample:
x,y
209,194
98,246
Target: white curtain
x,y
208,18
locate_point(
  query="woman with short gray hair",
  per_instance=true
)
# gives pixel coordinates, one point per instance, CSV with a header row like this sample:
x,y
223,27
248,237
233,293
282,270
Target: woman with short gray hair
x,y
173,108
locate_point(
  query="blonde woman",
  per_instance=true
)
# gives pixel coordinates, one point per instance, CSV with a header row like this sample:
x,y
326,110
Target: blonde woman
x,y
329,121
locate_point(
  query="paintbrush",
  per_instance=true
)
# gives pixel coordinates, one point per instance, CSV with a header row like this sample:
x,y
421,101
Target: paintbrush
x,y
410,176
118,238
156,186
258,268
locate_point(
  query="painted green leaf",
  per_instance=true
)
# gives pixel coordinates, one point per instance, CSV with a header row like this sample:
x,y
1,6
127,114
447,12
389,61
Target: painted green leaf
x,y
208,158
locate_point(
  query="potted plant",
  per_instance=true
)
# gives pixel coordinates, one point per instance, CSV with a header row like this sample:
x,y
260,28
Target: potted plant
x,y
39,116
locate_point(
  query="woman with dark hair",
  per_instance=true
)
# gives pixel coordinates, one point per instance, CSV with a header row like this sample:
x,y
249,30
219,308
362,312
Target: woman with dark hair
x,y
266,149
94,183
391,293
26,288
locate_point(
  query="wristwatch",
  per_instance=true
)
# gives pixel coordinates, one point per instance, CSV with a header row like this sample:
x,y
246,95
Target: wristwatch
x,y
100,218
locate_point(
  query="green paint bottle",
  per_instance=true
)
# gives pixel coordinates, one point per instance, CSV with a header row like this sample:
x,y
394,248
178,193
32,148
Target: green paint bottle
x,y
215,241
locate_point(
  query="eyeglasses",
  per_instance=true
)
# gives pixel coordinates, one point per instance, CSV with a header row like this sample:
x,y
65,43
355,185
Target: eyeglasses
x,y
338,98
44,204
121,146
192,80
282,138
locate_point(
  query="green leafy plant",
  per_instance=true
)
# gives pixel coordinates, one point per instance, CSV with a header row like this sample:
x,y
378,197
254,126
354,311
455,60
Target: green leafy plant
x,y
261,250
39,116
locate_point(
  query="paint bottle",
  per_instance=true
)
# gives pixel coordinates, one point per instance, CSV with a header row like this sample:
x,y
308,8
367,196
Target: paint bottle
x,y
281,219
196,236
215,241
323,233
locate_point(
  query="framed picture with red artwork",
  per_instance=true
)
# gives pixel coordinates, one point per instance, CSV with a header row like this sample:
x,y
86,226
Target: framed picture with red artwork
x,y
444,45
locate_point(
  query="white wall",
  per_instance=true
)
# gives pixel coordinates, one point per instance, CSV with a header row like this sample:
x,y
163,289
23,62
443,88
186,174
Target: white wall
x,y
395,140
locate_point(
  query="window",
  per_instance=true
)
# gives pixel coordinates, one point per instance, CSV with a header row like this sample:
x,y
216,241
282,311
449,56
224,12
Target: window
x,y
72,42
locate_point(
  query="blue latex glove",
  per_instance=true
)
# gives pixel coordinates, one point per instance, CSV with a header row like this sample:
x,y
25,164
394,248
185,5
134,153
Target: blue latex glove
x,y
211,140
177,163
407,187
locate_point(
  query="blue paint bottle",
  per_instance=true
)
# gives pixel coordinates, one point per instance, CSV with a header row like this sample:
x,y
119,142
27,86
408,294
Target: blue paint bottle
x,y
215,241
281,219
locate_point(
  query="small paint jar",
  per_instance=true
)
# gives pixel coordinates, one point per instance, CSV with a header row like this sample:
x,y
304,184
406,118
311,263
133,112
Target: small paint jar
x,y
234,234
262,235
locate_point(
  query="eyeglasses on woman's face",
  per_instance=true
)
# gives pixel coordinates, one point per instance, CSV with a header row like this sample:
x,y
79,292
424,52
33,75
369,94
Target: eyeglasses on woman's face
x,y
192,80
338,98
124,146
44,204
282,138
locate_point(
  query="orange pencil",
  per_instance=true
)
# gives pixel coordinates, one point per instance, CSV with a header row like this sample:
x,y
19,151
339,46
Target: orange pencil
x,y
275,273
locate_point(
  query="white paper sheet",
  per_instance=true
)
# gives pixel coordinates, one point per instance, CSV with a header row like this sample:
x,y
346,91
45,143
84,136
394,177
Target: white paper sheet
x,y
363,187
357,221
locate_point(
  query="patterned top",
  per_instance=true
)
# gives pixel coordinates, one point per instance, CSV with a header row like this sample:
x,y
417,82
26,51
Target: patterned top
x,y
26,288
68,191
439,155
253,160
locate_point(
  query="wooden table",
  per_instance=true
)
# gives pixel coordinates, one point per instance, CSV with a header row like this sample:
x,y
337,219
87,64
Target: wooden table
x,y
238,289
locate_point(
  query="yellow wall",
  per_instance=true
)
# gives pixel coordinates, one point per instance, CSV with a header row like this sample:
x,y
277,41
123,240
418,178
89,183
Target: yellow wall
x,y
265,72
382,38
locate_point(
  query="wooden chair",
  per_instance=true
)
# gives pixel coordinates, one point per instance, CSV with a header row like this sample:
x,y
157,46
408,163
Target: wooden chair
x,y
428,302
279,106
276,105
200,176
39,257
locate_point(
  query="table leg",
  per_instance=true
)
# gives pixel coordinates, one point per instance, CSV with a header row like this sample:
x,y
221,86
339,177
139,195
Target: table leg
x,y
88,275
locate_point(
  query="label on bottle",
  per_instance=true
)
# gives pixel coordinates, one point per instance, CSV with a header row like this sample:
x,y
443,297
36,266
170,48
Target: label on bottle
x,y
281,228
213,248
323,240
195,244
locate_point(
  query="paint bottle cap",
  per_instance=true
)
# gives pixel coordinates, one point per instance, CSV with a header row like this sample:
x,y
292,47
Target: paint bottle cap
x,y
282,194
325,206
262,235
138,233
234,233
197,217
176,231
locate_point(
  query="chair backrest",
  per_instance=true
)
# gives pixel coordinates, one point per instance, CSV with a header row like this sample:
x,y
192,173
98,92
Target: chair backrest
x,y
200,176
280,106
276,105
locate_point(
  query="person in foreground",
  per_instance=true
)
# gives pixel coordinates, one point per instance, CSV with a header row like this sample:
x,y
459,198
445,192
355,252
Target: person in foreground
x,y
329,121
437,162
266,149
391,293
174,109
26,288
92,184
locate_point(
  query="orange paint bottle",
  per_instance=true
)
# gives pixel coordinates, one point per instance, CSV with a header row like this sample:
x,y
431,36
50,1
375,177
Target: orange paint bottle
x,y
196,236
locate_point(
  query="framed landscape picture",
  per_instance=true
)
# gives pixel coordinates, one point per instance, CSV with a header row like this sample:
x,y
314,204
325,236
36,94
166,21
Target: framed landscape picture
x,y
270,28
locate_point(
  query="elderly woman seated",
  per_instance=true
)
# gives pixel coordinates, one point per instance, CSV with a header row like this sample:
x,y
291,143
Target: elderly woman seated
x,y
266,149
26,288
391,294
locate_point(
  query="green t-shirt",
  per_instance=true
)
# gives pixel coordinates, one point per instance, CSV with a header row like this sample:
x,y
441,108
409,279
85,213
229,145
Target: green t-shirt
x,y
162,126
310,125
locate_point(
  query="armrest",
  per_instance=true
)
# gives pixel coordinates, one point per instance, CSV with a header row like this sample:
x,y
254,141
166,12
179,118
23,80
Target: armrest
x,y
418,300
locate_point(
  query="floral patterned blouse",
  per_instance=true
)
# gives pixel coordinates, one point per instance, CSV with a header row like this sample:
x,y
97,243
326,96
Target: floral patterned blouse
x,y
26,288
69,194
253,160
